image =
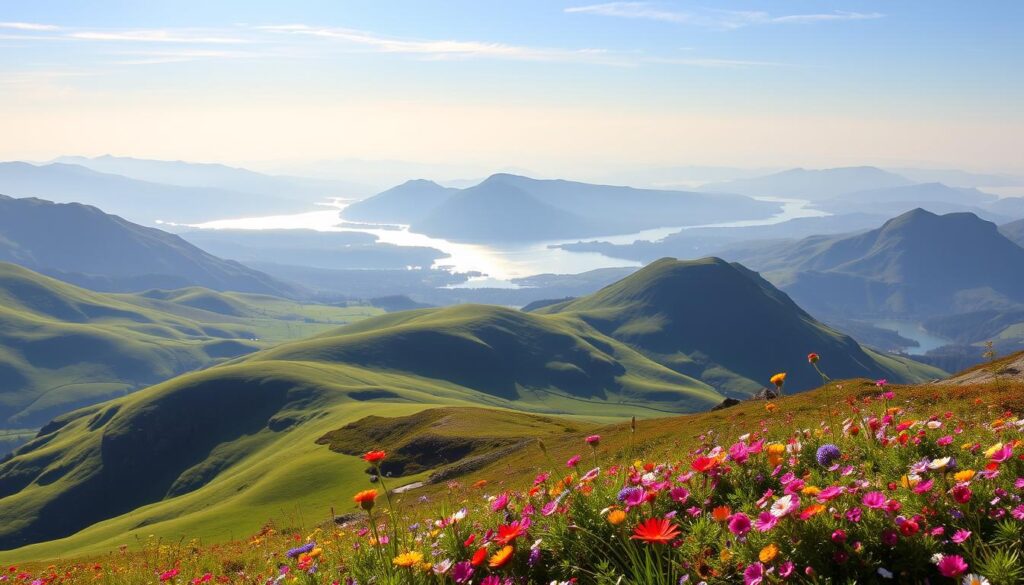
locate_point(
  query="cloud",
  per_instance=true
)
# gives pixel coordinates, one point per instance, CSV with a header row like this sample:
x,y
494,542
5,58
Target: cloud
x,y
155,36
723,19
28,26
449,49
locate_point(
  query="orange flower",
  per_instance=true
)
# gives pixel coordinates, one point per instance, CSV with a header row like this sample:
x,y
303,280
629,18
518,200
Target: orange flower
x,y
779,379
480,484
616,517
703,464
655,530
374,456
721,513
501,557
965,475
771,407
509,532
811,511
775,451
365,499
768,553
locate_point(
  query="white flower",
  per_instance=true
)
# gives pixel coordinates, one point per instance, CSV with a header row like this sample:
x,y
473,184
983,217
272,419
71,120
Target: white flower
x,y
938,464
885,573
934,424
974,579
937,558
784,506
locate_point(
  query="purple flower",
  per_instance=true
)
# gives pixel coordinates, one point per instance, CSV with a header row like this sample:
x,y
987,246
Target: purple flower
x,y
299,550
827,455
462,572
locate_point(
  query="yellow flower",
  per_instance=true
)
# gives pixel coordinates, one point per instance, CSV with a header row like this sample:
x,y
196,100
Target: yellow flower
x,y
811,490
965,475
725,555
779,379
408,559
616,517
992,450
768,553
909,482
775,451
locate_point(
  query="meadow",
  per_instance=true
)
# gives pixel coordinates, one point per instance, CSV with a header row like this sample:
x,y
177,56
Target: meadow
x,y
856,481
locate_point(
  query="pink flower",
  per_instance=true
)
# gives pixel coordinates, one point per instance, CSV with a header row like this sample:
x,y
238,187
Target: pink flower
x,y
960,536
754,574
573,461
499,502
593,440
679,494
739,524
952,566
829,493
924,487
1018,512
874,500
1003,454
739,452
853,515
944,441
784,505
765,522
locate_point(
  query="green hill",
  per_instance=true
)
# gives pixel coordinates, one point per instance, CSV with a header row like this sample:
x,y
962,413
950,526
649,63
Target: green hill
x,y
159,458
62,347
87,247
725,325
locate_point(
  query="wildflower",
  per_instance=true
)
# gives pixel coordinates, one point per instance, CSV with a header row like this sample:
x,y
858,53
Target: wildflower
x,y
721,513
827,454
765,522
874,500
365,499
500,558
771,407
753,574
616,517
960,536
961,493
374,456
462,572
974,579
884,573
573,461
300,550
952,566
704,464
784,505
813,358
739,524
655,530
775,452
479,556
593,440
408,559
768,553
500,502
168,575
779,379
679,494
829,493
939,464
509,532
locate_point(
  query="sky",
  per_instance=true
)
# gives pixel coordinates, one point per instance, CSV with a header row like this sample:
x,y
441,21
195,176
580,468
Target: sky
x,y
556,86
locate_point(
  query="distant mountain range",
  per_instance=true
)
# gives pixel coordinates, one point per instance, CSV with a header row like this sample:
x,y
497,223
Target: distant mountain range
x,y
1014,231
85,246
917,264
511,207
812,184
624,350
140,201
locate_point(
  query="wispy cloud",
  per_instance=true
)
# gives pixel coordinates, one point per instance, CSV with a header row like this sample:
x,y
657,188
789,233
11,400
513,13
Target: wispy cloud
x,y
28,26
156,36
448,49
712,18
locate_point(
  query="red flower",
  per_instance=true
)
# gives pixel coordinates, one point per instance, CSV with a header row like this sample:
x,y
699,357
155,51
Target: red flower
x,y
479,557
374,456
704,464
656,530
509,532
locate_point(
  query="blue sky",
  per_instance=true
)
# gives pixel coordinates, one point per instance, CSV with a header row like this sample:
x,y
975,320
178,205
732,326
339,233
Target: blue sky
x,y
539,84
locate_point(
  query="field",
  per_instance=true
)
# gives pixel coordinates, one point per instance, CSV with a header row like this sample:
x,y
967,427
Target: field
x,y
855,480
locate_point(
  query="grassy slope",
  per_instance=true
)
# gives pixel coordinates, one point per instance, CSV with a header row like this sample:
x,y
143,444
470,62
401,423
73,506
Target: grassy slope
x,y
62,346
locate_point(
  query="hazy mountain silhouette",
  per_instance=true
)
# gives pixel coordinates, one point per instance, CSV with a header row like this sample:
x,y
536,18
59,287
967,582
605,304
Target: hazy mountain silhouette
x,y
407,203
812,184
1014,231
85,246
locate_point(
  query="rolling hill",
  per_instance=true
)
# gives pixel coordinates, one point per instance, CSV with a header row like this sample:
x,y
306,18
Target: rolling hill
x,y
812,184
140,201
917,264
512,207
62,347
1014,231
723,324
85,246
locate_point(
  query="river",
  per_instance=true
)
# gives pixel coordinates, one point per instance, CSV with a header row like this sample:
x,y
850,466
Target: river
x,y
501,262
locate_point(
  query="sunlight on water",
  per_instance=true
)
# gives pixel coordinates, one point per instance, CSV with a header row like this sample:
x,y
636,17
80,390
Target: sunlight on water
x,y
500,262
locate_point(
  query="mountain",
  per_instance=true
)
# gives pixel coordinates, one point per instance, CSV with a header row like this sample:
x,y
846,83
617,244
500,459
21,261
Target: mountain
x,y
934,197
1014,231
512,207
723,324
959,178
218,176
407,203
85,246
62,347
812,184
140,201
917,264
1012,207
170,448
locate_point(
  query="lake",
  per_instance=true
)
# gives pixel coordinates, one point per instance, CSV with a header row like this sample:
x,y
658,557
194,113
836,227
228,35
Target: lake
x,y
915,331
501,262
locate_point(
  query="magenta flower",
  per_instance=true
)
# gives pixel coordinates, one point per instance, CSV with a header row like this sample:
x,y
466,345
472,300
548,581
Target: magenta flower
x,y
874,500
952,566
765,522
573,461
853,515
961,493
924,487
829,493
499,502
679,494
593,440
754,574
739,524
960,536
